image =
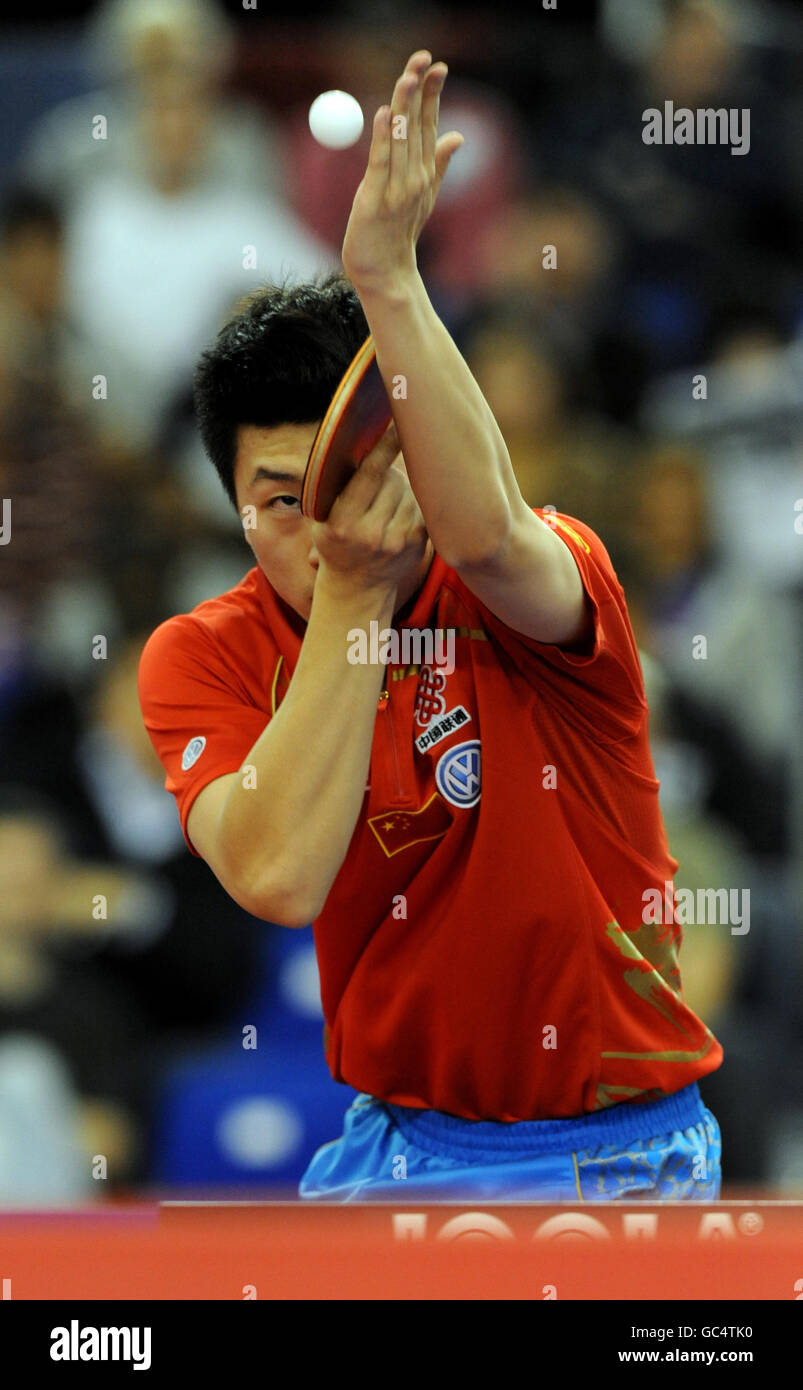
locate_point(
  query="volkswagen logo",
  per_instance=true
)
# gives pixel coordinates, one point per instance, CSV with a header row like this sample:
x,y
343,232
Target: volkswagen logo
x,y
458,774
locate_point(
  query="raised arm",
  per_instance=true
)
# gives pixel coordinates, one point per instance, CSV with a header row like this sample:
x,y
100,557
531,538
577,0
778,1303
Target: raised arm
x,y
456,458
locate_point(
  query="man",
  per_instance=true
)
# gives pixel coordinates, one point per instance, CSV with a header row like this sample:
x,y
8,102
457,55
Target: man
x,y
475,845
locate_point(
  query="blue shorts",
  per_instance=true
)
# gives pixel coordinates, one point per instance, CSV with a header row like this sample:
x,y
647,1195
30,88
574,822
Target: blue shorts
x,y
664,1150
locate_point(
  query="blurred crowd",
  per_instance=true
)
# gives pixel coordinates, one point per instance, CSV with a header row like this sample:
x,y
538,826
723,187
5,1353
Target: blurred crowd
x,y
634,315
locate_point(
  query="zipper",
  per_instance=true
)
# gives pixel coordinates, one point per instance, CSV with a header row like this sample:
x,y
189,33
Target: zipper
x,y
384,708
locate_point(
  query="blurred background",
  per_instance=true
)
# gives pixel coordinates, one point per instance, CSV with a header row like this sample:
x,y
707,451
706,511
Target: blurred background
x,y
153,1037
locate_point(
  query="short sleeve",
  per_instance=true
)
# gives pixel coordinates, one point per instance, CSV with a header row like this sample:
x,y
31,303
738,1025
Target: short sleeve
x,y
601,689
200,723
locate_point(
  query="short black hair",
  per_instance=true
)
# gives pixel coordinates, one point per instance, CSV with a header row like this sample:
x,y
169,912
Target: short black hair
x,y
277,362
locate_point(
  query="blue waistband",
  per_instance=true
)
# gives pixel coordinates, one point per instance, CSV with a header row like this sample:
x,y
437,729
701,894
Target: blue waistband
x,y
622,1124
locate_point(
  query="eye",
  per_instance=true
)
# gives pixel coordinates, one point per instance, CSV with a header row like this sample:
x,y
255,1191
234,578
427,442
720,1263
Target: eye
x,y
282,497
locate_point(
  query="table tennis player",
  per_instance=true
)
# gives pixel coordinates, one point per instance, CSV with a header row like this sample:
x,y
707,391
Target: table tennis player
x,y
481,849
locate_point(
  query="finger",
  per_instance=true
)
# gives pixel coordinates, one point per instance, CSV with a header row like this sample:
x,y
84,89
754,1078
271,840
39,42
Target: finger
x,y
430,107
406,526
422,67
400,106
385,505
397,178
394,487
445,148
378,170
366,481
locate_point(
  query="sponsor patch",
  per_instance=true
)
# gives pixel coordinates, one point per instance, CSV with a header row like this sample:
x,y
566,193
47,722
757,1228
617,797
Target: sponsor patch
x,y
192,752
430,703
458,775
441,728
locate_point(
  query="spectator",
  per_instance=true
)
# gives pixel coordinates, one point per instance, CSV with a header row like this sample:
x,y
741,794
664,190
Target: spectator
x,y
176,221
707,612
182,951
54,474
46,904
557,252
564,454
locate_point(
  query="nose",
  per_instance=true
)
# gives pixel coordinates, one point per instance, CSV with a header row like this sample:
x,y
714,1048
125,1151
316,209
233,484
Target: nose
x,y
313,557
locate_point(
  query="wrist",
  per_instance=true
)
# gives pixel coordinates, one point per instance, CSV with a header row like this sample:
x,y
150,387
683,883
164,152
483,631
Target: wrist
x,y
356,600
388,287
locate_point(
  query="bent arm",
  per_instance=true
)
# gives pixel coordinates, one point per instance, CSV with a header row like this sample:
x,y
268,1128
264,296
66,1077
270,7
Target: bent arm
x,y
277,845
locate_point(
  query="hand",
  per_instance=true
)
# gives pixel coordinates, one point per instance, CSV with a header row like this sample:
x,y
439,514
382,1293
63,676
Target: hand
x,y
375,535
406,165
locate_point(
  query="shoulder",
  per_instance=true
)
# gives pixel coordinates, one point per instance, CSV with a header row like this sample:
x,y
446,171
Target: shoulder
x,y
217,632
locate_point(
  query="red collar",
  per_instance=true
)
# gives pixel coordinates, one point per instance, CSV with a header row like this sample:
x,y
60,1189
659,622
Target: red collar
x,y
286,625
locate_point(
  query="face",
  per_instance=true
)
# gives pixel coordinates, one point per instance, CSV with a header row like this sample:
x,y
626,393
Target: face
x,y
268,473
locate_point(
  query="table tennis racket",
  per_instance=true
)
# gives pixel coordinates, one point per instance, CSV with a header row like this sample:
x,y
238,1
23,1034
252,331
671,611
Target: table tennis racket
x,y
357,417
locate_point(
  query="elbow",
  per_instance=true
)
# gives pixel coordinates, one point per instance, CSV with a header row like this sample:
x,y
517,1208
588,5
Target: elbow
x,y
271,893
491,542
291,911
277,902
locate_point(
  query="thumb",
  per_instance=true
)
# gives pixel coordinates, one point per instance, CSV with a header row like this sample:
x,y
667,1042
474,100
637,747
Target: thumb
x,y
445,148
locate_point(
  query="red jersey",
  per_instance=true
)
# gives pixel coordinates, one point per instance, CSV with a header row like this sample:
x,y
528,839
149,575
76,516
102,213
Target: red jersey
x,y
482,950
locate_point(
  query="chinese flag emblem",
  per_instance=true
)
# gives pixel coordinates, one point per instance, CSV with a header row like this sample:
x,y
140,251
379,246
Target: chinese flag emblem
x,y
397,830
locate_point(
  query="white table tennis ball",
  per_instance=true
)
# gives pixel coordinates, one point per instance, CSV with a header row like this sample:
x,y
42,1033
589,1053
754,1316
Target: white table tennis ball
x,y
336,120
